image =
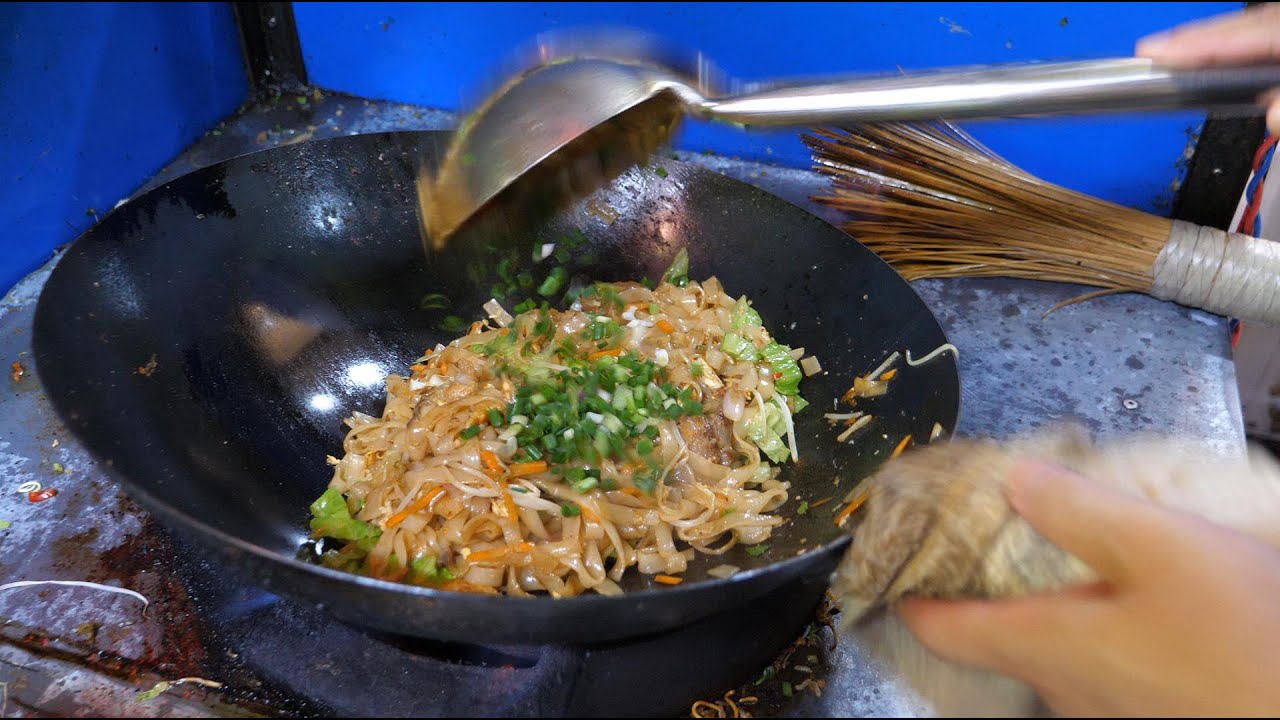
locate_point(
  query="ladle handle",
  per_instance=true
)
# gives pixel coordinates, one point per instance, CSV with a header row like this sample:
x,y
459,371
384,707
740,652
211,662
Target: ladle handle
x,y
1096,86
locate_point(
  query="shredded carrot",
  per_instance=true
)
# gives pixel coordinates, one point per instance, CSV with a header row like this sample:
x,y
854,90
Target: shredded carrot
x,y
845,513
418,367
890,374
665,326
528,468
633,492
491,463
460,585
611,352
443,369
589,515
902,445
488,555
510,504
499,553
420,503
667,579
820,503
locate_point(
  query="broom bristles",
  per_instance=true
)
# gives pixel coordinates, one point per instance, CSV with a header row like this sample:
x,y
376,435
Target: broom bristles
x,y
935,203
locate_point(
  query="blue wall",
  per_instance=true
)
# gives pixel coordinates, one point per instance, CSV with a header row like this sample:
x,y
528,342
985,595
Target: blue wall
x,y
438,53
94,99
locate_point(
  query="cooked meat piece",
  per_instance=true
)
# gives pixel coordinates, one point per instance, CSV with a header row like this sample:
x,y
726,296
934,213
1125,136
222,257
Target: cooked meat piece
x,y
709,436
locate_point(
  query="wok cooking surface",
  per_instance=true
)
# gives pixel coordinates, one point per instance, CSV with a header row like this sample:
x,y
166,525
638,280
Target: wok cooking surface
x,y
238,313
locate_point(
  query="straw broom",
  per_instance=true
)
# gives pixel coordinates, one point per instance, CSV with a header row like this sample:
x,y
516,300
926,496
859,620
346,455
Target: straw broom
x,y
935,203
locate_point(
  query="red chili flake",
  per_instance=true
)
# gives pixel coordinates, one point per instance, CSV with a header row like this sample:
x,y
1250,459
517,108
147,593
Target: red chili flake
x,y
42,495
777,376
18,371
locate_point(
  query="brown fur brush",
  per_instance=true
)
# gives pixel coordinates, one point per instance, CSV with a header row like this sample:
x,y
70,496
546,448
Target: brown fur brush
x,y
937,524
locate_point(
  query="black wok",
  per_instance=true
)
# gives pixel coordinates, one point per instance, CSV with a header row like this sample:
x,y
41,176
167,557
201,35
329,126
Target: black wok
x,y
275,290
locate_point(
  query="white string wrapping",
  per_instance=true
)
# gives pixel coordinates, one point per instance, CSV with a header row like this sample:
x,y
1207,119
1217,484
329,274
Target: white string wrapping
x,y
1225,273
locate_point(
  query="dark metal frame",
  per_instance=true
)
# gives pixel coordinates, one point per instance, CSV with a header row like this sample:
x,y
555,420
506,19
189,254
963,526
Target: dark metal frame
x,y
1219,168
272,50
1216,174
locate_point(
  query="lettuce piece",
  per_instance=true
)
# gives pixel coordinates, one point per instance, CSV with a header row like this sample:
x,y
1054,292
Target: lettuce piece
x,y
767,429
786,371
426,570
744,315
331,518
739,347
678,273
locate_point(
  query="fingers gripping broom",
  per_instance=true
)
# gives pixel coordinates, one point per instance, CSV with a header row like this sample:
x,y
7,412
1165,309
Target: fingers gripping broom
x,y
935,203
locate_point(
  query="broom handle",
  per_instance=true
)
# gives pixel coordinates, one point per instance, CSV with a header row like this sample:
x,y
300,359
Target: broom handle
x,y
1096,86
1223,272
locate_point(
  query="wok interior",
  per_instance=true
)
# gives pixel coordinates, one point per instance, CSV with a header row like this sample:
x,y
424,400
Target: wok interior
x,y
277,290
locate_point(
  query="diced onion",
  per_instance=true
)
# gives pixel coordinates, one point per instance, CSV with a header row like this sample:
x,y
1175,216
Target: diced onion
x,y
810,366
723,571
497,313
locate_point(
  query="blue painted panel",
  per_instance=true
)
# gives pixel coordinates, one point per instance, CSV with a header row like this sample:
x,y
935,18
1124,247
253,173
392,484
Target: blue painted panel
x,y
437,53
96,98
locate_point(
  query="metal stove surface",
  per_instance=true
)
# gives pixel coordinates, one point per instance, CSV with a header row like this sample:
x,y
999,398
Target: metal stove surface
x,y
1117,364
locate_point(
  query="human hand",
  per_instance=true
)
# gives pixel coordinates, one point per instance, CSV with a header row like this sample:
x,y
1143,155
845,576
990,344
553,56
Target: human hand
x,y
1184,622
1239,38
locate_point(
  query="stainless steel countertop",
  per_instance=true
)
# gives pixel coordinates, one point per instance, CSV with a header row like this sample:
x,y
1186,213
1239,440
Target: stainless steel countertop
x,y
1018,372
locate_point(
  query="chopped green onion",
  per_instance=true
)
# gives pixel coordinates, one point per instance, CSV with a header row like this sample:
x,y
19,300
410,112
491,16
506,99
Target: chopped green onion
x,y
662,172
695,369
585,485
570,510
433,301
786,689
495,417
804,508
470,432
553,283
525,307
644,447
647,481
757,550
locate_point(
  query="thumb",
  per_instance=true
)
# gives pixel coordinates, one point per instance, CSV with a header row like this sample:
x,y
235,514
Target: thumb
x,y
1020,637
1102,527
